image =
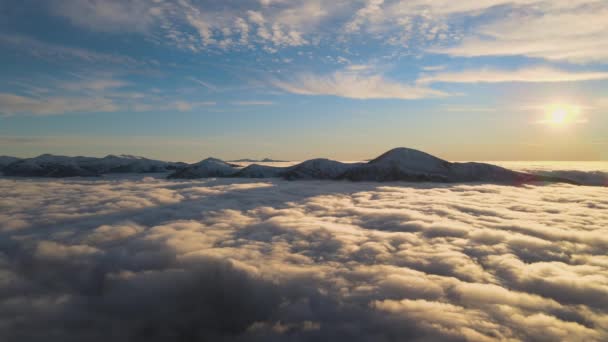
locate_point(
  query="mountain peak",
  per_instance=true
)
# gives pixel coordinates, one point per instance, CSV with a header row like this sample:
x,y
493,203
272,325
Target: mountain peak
x,y
210,167
211,160
407,155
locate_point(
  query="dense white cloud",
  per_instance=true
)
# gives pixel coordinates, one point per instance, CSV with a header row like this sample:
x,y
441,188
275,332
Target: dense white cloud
x,y
151,259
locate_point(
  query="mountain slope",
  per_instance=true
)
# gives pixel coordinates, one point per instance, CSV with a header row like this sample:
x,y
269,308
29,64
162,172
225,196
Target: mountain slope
x,y
6,160
210,167
317,169
126,164
260,171
48,165
404,164
401,164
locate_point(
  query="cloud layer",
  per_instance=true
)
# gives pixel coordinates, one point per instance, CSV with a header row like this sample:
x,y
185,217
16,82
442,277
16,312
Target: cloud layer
x,y
150,259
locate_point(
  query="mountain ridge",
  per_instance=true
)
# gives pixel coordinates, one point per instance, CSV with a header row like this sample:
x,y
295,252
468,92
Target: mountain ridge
x,y
265,160
398,164
48,165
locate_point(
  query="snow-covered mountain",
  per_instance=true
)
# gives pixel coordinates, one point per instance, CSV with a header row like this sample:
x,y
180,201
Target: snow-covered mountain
x,y
401,164
48,165
404,164
210,167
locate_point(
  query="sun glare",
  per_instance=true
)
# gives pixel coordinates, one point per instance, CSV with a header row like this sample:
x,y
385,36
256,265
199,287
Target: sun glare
x,y
559,114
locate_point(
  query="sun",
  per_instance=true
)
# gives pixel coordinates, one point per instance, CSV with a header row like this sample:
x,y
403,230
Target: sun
x,y
561,114
558,116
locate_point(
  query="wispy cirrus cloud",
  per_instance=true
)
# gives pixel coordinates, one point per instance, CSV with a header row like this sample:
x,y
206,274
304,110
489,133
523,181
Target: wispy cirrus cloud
x,y
12,104
354,85
530,74
93,84
111,15
252,103
35,47
204,84
575,31
94,93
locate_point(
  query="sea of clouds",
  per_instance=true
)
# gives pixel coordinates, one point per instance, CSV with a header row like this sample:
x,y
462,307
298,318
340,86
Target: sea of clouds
x,y
148,259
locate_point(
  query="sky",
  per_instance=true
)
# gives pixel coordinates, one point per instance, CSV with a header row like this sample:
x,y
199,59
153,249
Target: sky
x,y
184,80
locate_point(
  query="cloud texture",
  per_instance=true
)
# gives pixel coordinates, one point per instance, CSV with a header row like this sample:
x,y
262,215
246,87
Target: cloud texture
x,y
145,259
562,30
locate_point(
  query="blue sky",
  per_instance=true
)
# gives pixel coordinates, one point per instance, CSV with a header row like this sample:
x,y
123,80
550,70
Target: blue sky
x,y
182,80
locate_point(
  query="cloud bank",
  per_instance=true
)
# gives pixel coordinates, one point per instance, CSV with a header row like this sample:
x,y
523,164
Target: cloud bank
x,y
145,259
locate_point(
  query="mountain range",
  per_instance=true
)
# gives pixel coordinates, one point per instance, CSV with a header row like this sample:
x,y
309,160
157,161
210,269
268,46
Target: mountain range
x,y
399,164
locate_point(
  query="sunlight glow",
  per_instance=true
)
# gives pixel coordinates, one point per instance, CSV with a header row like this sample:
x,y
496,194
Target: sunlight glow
x,y
561,114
